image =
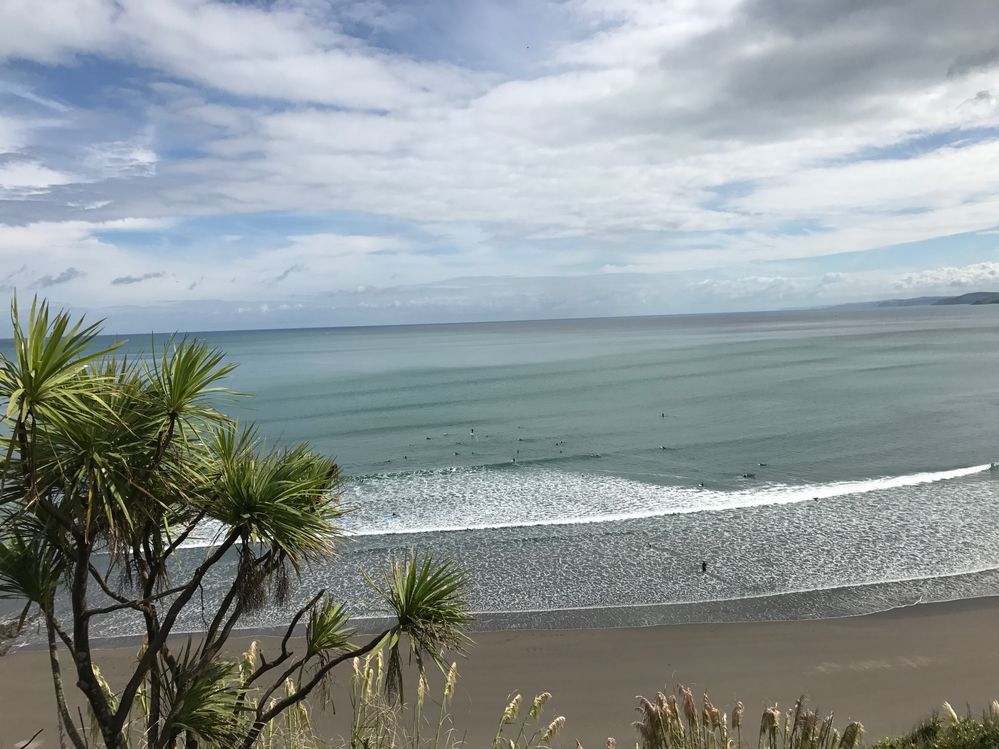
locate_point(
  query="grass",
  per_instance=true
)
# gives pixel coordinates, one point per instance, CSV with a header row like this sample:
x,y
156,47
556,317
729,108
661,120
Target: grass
x,y
950,732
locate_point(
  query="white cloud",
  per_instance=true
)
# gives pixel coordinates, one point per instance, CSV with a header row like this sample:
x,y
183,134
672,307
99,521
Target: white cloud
x,y
51,31
975,277
28,177
120,159
655,137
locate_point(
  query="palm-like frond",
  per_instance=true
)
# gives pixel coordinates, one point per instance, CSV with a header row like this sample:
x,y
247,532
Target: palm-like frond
x,y
204,699
288,499
426,597
29,569
184,379
328,630
95,465
43,378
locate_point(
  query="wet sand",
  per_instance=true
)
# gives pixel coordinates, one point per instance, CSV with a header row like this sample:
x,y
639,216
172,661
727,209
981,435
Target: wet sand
x,y
886,670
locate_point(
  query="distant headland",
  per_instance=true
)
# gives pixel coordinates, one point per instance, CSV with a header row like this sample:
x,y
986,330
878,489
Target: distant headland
x,y
974,297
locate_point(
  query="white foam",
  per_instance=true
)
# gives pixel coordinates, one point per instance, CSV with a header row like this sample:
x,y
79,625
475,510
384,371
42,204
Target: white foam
x,y
476,499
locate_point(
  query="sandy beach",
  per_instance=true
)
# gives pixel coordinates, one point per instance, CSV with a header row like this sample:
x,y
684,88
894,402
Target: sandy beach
x,y
885,670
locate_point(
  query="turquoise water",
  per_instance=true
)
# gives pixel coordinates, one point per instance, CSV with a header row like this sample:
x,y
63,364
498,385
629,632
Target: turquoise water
x,y
844,458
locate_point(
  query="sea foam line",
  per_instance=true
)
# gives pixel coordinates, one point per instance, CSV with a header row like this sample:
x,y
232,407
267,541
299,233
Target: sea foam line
x,y
702,500
475,492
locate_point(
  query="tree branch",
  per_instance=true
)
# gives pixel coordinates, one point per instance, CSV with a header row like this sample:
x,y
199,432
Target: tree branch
x,y
65,721
175,544
113,595
285,654
154,646
138,604
303,691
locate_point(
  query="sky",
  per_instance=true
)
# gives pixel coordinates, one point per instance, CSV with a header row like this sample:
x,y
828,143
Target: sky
x,y
197,165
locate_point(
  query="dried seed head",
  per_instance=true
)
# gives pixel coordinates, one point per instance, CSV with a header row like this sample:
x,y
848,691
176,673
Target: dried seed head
x,y
379,670
948,711
611,743
452,677
357,668
539,704
249,663
851,735
994,710
672,707
706,708
770,722
553,728
421,692
689,710
649,711
303,715
737,714
716,719
511,711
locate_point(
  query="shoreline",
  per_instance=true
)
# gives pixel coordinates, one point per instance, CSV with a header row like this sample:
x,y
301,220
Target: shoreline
x,y
567,620
888,670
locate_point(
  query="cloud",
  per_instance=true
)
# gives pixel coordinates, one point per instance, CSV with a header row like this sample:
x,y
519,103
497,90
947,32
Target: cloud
x,y
125,280
70,274
286,52
121,159
376,143
975,277
23,178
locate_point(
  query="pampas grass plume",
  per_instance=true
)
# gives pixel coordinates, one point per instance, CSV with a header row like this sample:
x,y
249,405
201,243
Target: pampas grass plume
x,y
511,711
553,728
539,704
452,677
951,715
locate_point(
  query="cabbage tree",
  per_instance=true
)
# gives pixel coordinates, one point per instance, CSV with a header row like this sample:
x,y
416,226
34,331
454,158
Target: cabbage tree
x,y
109,465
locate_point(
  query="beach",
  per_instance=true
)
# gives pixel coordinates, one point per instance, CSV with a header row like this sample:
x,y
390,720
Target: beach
x,y
887,670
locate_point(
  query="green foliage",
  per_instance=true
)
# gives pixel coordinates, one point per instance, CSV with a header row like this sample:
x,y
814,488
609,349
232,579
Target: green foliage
x,y
328,631
29,569
107,467
426,597
284,499
204,700
184,379
44,380
956,733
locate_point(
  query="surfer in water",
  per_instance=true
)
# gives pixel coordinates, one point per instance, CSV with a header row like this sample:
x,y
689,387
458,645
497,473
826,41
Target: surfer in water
x,y
704,566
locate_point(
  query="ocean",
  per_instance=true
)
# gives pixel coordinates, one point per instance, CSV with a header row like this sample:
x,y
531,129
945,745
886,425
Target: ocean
x,y
822,463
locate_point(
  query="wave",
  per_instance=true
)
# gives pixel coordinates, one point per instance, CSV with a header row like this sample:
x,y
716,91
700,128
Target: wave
x,y
464,499
547,498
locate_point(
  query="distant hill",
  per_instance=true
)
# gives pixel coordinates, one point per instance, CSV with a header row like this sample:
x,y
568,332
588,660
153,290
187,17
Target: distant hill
x,y
974,297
